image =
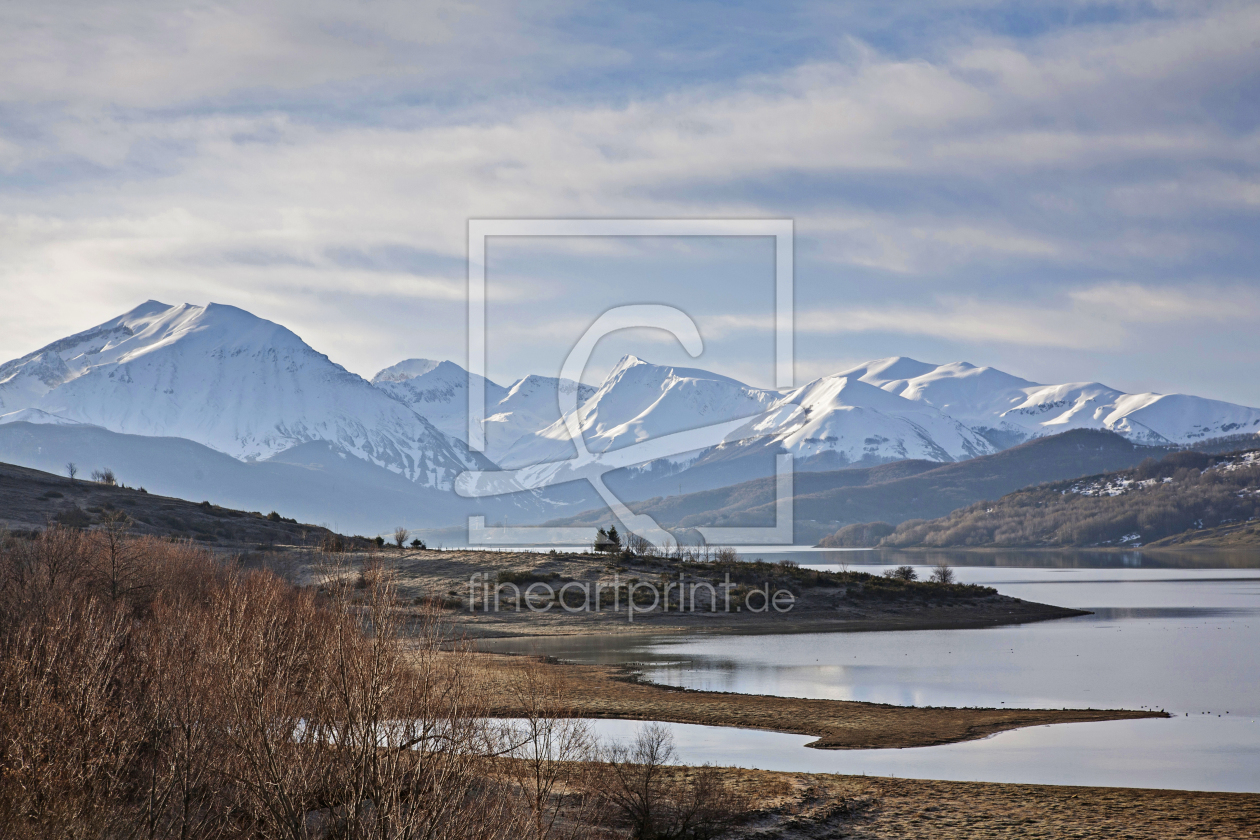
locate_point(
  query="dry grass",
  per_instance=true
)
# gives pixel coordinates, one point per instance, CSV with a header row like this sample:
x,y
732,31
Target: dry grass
x,y
445,574
815,806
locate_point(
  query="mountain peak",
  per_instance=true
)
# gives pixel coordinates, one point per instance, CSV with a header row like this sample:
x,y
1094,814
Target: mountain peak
x,y
891,369
625,363
407,369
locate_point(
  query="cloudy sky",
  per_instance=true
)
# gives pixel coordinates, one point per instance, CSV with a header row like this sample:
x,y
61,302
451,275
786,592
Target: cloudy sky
x,y
1067,191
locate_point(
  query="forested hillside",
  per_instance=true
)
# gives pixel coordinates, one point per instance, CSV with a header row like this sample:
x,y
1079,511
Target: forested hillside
x,y
1187,497
893,492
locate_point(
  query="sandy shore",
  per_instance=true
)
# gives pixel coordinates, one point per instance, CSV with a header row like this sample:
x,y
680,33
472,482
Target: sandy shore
x,y
598,691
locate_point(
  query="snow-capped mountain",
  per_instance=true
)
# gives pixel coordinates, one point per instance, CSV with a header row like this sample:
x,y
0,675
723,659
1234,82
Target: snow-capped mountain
x,y
1007,409
859,422
638,401
439,392
841,416
531,405
229,380
222,378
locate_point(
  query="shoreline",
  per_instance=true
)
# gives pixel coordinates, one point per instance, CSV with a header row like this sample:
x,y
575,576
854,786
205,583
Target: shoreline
x,y
616,692
1155,548
823,601
523,627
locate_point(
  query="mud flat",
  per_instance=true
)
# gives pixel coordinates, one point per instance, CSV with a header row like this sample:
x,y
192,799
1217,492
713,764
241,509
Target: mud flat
x,y
600,691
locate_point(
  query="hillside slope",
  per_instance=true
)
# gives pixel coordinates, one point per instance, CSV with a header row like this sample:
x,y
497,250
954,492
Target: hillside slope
x,y
1187,498
314,482
32,499
825,501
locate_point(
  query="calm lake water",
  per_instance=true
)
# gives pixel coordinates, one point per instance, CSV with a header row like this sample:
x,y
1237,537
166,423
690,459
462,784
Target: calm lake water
x,y
1186,640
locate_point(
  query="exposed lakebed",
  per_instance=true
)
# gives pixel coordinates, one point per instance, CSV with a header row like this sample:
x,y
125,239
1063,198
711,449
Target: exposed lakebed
x,y
1186,640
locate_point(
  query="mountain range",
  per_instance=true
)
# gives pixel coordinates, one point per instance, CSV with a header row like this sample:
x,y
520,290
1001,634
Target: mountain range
x,y
216,381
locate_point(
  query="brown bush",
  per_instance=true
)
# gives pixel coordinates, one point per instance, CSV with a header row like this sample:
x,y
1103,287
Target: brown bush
x,y
658,801
148,691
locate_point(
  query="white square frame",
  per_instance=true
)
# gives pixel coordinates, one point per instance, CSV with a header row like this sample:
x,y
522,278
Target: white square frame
x,y
782,230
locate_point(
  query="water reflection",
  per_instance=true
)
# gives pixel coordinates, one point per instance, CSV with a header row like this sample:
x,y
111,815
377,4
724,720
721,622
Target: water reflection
x,y
1185,638
1191,754
1067,558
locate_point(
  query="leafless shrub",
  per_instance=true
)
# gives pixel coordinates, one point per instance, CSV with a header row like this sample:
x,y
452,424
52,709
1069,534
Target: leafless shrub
x,y
400,536
549,746
639,546
657,800
906,573
148,690
105,476
942,573
371,574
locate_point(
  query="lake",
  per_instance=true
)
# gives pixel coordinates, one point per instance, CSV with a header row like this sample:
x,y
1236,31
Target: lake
x,y
1182,635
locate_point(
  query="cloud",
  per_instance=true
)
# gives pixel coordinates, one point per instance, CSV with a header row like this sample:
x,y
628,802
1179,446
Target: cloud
x,y
234,150
1098,317
1136,304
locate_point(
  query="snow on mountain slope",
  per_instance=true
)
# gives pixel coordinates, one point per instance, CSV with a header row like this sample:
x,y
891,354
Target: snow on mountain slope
x,y
990,401
24,381
861,422
37,417
1179,418
438,391
531,405
638,401
227,379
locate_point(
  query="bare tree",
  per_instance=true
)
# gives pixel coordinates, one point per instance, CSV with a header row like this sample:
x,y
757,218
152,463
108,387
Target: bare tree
x,y
115,558
400,536
942,573
72,469
105,476
658,800
551,747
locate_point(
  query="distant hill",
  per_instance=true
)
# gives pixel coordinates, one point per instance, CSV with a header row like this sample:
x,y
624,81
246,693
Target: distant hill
x,y
33,500
1187,498
314,482
896,492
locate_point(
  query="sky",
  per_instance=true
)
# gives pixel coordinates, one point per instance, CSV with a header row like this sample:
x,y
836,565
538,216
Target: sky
x,y
1066,191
